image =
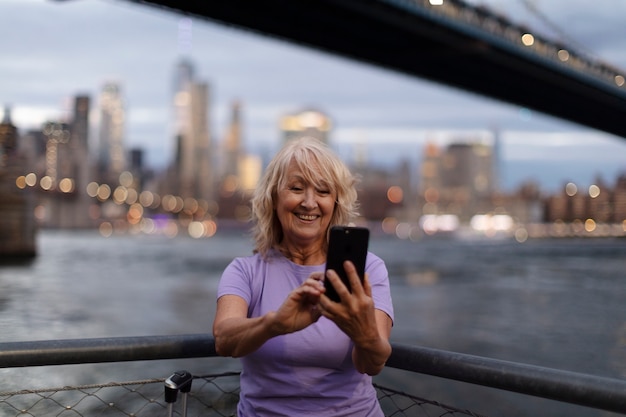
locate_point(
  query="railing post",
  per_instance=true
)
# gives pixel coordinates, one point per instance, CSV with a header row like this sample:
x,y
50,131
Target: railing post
x,y
178,381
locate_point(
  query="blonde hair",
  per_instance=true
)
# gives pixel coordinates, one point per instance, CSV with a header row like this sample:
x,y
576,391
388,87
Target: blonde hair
x,y
321,167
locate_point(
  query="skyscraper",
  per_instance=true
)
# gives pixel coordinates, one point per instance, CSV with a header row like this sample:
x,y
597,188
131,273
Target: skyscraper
x,y
67,169
468,168
232,144
458,180
192,164
17,223
308,122
111,153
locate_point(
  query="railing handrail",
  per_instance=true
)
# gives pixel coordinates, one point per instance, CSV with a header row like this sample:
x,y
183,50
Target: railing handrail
x,y
566,386
576,388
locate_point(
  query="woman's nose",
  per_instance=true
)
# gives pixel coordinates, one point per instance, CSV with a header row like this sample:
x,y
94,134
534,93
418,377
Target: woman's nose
x,y
309,199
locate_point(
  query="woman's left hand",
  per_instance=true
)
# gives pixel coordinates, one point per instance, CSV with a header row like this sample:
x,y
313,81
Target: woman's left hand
x,y
356,316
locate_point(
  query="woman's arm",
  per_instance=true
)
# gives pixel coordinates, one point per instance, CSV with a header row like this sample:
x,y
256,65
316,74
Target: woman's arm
x,y
237,335
370,354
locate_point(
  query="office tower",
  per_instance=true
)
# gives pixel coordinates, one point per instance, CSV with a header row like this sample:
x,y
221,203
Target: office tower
x,y
619,201
240,172
111,153
232,145
137,168
309,122
17,222
497,161
250,170
430,176
468,168
192,164
67,169
8,136
458,180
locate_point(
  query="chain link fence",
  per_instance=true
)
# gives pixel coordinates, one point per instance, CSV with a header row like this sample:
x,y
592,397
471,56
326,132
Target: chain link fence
x,y
217,394
211,395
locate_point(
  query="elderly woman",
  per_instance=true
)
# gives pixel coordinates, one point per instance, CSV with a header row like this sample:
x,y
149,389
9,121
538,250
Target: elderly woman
x,y
302,353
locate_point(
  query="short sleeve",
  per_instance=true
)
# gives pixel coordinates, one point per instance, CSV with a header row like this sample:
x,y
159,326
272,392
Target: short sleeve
x,y
379,281
236,280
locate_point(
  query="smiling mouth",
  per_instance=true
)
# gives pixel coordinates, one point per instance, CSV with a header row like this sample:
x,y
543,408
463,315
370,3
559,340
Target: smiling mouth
x,y
307,217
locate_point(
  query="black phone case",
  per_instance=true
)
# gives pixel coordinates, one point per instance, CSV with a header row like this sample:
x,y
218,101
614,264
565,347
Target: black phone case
x,y
346,243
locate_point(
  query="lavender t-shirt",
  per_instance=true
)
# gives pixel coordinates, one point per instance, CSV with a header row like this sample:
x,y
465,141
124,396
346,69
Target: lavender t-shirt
x,y
309,372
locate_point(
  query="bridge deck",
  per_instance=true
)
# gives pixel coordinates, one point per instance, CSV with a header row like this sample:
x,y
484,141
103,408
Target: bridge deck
x,y
417,39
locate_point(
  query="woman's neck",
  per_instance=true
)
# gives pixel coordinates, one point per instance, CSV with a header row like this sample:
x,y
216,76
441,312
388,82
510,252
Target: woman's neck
x,y
309,255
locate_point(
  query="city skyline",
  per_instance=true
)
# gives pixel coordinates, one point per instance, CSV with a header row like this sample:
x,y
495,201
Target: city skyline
x,y
456,184
388,114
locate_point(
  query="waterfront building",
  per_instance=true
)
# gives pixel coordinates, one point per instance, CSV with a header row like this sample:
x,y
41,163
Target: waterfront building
x,y
232,151
430,178
62,197
111,152
457,180
599,206
250,171
599,203
17,221
191,173
240,172
619,201
308,122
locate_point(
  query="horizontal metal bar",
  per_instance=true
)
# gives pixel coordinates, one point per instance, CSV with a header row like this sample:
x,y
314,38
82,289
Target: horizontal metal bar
x,y
575,388
100,350
571,387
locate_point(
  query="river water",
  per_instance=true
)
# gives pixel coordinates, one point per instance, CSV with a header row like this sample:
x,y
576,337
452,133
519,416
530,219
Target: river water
x,y
556,303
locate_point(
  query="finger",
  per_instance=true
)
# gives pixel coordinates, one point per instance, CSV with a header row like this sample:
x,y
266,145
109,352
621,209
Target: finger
x,y
366,285
317,276
353,277
318,285
337,283
327,307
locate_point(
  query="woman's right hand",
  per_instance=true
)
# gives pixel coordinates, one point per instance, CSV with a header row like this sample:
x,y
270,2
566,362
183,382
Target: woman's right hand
x,y
300,308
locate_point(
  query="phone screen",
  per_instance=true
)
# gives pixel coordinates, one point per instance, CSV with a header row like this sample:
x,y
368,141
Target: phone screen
x,y
346,243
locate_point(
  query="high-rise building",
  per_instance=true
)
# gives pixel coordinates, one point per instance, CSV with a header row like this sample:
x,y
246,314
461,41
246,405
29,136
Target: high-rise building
x,y
309,122
111,152
430,176
468,167
192,168
17,222
498,170
232,150
619,201
67,170
458,180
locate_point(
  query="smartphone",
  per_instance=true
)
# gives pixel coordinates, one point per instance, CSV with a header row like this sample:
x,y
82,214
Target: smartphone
x,y
346,243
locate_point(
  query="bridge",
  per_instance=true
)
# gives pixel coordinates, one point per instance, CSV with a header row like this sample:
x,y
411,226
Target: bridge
x,y
445,41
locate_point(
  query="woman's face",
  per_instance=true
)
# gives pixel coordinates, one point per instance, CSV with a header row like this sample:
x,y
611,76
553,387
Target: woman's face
x,y
304,211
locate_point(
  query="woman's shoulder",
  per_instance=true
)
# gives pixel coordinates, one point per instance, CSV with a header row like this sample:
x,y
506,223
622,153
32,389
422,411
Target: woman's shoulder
x,y
252,259
375,267
373,259
256,259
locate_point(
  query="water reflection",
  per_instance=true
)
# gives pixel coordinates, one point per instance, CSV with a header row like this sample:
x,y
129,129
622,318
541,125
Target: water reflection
x,y
555,303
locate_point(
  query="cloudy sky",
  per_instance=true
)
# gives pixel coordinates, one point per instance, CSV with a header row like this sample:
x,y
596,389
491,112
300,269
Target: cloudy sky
x,y
52,51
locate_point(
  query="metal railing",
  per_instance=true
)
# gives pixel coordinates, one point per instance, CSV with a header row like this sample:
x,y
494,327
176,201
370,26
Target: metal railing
x,y
211,395
585,390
